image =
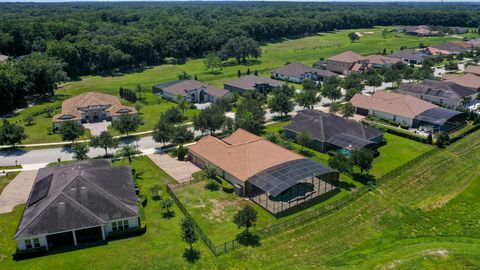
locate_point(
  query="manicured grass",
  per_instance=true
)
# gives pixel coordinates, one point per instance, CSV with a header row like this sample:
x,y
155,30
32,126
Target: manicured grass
x,y
10,167
409,222
306,50
6,179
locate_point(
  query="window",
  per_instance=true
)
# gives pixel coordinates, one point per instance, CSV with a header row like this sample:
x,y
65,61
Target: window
x,y
28,244
120,225
36,242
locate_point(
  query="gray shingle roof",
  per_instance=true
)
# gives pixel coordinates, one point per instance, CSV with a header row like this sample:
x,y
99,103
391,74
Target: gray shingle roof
x,y
181,87
80,195
326,127
443,89
409,54
294,70
249,82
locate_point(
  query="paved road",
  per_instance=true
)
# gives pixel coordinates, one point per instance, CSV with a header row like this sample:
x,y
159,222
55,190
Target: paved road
x,y
38,158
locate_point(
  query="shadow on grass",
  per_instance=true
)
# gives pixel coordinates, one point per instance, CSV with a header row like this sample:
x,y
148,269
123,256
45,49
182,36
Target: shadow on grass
x,y
346,186
248,239
191,255
168,215
306,153
363,178
281,118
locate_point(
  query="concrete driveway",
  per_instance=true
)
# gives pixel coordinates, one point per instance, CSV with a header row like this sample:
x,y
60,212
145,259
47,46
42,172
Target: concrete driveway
x,y
97,128
17,191
178,170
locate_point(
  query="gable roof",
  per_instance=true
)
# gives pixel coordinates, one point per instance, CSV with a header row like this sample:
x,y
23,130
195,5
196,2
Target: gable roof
x,y
443,89
392,103
242,154
294,70
182,87
71,107
409,54
327,127
457,46
467,80
79,195
249,82
347,57
378,59
473,70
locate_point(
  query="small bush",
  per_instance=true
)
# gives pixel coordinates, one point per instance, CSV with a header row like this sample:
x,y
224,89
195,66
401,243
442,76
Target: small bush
x,y
181,152
212,185
227,187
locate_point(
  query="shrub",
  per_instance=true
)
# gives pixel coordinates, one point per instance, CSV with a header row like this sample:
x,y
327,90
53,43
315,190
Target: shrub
x,y
181,152
227,187
212,185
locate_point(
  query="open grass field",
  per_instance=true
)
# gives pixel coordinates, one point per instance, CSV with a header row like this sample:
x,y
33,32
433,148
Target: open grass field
x,y
306,50
426,218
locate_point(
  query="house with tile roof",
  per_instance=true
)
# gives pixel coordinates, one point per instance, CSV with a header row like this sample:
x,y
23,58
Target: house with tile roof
x,y
456,47
91,107
346,62
410,56
251,82
407,110
466,80
194,91
270,175
443,93
475,70
298,73
332,132
76,204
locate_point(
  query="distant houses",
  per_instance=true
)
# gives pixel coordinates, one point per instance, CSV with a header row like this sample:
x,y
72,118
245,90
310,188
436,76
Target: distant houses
x,y
298,73
268,174
332,132
418,30
444,93
251,82
194,91
77,204
92,107
408,111
454,48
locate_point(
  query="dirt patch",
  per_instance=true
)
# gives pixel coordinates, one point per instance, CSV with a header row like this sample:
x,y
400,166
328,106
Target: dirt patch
x,y
217,212
437,253
393,265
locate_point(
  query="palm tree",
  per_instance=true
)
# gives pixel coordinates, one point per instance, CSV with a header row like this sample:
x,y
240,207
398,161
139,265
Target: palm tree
x,y
182,103
128,151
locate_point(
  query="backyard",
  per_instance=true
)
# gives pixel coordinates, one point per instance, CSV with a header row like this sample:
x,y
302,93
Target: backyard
x,y
306,50
424,218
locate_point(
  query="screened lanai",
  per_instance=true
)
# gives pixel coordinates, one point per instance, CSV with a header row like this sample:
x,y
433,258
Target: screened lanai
x,y
291,184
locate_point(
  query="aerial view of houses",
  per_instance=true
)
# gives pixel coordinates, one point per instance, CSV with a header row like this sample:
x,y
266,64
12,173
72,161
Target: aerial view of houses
x,y
232,135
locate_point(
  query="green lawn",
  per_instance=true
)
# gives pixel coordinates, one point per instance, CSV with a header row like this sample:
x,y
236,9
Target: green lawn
x,y
426,218
306,50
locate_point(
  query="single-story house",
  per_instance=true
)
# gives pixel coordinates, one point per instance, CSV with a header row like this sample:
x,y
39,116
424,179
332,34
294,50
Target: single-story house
x,y
444,93
268,174
475,70
194,91
410,56
251,82
418,30
459,30
466,80
298,73
456,47
75,204
346,63
408,111
332,132
380,61
92,107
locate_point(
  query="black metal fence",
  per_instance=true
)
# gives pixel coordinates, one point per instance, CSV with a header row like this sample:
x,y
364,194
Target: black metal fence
x,y
298,220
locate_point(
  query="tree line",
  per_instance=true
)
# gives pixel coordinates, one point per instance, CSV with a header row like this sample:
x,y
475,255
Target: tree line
x,y
101,37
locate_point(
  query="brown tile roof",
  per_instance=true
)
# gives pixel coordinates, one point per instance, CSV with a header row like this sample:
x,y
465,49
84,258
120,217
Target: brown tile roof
x,y
381,59
347,57
459,46
392,103
467,80
242,154
183,86
473,69
249,82
70,107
